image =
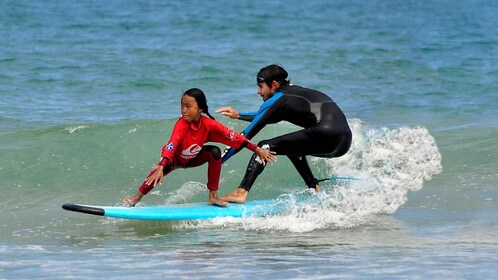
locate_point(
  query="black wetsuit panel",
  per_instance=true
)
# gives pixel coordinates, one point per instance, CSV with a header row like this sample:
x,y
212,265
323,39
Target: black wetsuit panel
x,y
325,132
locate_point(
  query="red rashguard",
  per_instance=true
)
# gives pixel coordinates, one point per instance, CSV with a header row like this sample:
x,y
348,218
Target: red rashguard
x,y
187,140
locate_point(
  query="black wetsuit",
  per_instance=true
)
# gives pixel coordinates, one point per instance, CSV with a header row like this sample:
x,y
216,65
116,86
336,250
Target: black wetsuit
x,y
326,131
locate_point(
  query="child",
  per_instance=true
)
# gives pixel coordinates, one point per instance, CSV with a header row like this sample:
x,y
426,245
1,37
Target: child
x,y
186,148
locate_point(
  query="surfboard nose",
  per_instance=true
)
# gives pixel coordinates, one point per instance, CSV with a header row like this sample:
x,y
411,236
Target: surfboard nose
x,y
83,209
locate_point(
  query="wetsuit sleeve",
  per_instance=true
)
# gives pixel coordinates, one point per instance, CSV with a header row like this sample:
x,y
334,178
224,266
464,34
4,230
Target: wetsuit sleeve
x,y
267,113
222,134
270,115
178,133
247,116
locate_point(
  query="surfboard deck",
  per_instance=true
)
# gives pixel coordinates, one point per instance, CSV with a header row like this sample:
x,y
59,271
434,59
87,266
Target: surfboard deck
x,y
187,211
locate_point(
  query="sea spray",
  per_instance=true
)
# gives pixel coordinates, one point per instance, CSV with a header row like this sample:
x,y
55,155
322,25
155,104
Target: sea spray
x,y
389,162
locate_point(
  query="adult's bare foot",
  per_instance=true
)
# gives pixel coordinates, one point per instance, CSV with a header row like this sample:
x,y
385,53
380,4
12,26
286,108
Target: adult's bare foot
x,y
238,196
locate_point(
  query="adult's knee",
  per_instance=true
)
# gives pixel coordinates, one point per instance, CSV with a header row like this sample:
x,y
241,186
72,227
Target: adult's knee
x,y
265,145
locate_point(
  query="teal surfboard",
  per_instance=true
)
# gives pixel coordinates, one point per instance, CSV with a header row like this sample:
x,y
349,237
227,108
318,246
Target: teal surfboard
x,y
187,211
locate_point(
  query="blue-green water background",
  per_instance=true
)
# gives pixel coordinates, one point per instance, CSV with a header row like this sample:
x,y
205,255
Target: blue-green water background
x,y
90,91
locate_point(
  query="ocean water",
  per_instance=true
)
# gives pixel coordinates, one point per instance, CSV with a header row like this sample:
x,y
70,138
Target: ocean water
x,y
90,91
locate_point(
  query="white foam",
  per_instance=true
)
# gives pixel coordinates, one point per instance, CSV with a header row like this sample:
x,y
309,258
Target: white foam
x,y
76,128
391,162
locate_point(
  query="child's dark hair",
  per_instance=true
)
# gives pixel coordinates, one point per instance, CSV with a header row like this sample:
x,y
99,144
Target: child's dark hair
x,y
201,100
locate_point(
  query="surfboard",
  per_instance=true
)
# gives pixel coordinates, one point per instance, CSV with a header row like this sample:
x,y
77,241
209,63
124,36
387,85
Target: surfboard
x,y
187,211
200,210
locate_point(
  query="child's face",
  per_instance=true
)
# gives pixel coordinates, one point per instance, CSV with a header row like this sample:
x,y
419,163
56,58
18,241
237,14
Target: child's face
x,y
190,109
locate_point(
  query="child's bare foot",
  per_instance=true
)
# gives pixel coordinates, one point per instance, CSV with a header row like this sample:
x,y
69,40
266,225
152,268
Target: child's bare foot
x,y
218,201
238,196
215,200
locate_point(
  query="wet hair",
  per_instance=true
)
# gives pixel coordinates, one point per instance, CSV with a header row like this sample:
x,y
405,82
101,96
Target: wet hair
x,y
201,100
272,73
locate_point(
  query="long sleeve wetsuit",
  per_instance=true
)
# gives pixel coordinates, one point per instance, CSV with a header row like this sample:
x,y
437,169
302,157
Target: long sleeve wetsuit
x,y
325,132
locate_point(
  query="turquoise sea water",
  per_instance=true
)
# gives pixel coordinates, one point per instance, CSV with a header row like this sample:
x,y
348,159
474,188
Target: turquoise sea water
x,y
90,91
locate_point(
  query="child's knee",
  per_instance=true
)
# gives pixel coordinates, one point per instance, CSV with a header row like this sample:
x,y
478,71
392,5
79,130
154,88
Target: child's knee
x,y
214,151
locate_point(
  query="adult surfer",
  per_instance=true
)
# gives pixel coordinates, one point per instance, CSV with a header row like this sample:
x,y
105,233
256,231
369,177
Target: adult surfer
x,y
325,132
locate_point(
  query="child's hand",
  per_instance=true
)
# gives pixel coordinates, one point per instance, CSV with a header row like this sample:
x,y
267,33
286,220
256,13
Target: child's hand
x,y
156,177
265,155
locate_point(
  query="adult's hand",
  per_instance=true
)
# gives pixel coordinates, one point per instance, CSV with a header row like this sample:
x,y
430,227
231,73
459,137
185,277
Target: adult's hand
x,y
229,112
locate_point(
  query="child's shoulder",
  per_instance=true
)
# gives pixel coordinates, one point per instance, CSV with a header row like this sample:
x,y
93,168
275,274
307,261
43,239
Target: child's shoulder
x,y
180,120
210,123
207,119
181,123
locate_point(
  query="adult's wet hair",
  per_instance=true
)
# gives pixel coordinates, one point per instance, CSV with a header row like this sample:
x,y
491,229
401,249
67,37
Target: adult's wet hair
x,y
272,73
201,100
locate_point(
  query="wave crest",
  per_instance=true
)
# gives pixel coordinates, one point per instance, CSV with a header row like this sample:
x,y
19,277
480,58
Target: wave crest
x,y
390,163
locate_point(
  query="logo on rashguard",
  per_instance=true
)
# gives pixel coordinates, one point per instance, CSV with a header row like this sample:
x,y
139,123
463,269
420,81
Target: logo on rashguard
x,y
169,147
231,134
191,151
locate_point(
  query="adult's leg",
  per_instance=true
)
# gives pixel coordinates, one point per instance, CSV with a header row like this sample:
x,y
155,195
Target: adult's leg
x,y
296,146
302,166
307,142
254,168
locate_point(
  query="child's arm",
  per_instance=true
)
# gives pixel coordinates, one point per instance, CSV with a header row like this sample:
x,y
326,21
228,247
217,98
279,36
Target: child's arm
x,y
224,135
156,176
177,135
167,153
